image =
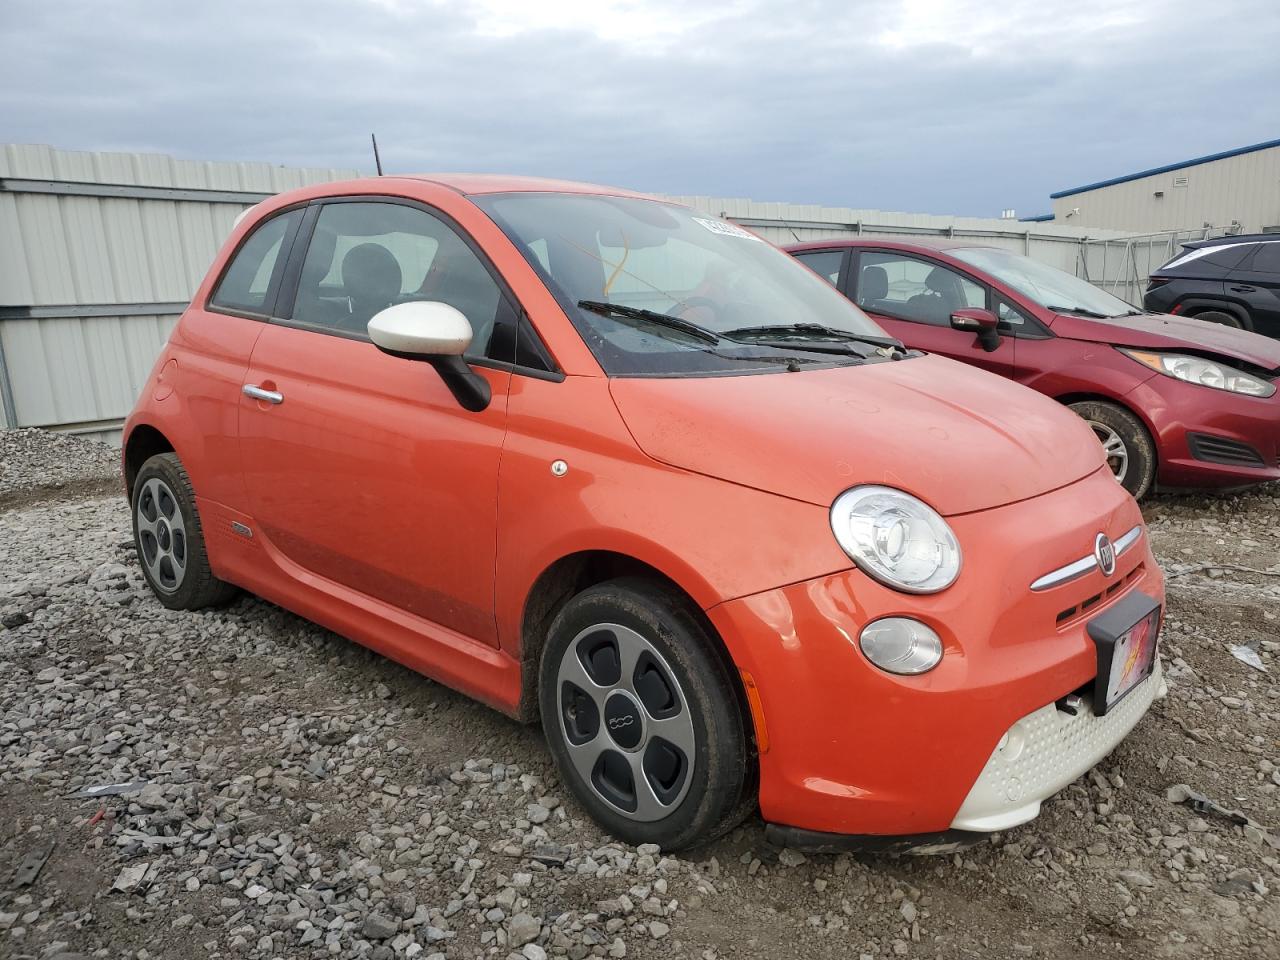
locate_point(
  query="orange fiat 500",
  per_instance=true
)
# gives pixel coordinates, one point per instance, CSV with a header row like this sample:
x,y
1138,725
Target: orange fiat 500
x,y
591,457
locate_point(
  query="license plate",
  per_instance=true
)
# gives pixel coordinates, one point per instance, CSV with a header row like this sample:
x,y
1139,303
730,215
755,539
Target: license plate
x,y
1126,637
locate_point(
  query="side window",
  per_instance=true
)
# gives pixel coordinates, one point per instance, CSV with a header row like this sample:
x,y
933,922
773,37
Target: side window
x,y
1010,315
1267,259
902,286
365,257
825,263
1229,256
256,266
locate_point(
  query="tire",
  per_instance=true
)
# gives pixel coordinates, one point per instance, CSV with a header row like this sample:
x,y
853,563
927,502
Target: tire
x,y
169,540
1131,453
1222,317
685,790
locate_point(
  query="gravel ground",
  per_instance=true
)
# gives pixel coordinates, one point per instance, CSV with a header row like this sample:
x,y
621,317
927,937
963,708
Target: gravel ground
x,y
306,798
35,464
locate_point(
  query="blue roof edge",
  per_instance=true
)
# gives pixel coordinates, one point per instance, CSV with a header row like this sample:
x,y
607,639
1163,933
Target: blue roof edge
x,y
1038,218
1265,145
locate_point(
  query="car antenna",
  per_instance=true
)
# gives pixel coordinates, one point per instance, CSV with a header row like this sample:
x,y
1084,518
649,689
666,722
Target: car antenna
x,y
377,160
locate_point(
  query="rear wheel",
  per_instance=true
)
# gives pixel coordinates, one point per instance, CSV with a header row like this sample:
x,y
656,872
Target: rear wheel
x,y
168,538
1130,451
642,717
1222,317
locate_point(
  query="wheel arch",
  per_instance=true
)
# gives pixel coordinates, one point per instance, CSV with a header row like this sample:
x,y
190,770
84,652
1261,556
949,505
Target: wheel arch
x,y
568,576
1067,399
1194,306
1083,396
143,442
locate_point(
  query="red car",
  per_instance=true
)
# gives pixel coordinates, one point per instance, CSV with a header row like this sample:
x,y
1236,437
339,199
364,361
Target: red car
x,y
1175,402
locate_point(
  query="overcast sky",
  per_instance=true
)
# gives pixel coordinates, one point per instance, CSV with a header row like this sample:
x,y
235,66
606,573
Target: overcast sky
x,y
940,106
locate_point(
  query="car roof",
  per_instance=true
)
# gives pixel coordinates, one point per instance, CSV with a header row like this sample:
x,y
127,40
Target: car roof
x,y
473,184
897,242
1239,238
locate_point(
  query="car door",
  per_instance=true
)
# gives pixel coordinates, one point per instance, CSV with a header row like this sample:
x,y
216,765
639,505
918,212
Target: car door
x,y
1256,282
362,468
913,298
211,348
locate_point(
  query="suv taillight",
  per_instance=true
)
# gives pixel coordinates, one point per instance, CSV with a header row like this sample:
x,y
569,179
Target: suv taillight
x,y
1153,282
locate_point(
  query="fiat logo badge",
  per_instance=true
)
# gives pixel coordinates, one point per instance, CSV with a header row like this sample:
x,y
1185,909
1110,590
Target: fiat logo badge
x,y
1104,551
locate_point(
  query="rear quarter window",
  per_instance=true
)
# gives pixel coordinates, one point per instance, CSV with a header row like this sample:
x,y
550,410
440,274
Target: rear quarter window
x,y
1267,259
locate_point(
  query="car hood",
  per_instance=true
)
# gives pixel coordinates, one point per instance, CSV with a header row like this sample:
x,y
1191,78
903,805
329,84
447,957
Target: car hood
x,y
958,437
1164,331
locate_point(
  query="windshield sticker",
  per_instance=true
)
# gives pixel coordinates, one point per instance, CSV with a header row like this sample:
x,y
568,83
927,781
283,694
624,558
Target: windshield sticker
x,y
726,229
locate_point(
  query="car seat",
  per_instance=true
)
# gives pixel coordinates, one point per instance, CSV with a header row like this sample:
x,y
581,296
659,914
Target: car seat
x,y
943,297
873,287
371,279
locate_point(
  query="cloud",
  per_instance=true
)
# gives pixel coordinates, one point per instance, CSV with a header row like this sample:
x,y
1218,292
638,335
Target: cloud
x,y
929,105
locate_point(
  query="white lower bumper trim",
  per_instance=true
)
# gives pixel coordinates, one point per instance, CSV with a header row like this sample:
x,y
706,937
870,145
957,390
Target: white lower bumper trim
x,y
1043,752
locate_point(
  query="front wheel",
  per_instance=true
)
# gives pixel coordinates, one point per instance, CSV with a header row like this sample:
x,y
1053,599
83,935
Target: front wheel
x,y
1130,451
642,717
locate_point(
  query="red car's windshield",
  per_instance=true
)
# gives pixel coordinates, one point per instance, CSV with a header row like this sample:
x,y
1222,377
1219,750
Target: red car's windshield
x,y
1047,286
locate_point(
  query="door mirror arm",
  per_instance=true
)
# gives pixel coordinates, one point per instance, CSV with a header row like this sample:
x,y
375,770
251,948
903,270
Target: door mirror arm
x,y
434,333
981,322
469,388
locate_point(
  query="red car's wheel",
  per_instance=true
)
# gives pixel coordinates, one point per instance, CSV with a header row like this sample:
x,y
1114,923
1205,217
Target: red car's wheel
x,y
1131,453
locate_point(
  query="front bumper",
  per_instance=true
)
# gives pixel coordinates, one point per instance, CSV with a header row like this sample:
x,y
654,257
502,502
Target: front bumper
x,y
1176,410
1045,751
848,749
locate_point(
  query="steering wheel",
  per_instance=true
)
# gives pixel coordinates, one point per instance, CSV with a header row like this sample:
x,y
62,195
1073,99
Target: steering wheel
x,y
690,303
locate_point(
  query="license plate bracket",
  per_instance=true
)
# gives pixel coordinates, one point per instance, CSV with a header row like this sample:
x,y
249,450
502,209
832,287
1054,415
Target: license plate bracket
x,y
1126,637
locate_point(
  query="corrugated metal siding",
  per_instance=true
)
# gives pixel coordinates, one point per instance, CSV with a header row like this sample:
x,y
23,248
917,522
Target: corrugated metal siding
x,y
79,372
1244,188
1055,244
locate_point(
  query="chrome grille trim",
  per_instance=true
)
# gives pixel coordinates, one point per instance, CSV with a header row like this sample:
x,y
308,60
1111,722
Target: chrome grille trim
x,y
1078,568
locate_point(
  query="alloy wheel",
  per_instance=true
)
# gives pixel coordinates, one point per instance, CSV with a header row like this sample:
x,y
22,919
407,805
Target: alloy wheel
x,y
1114,447
162,535
626,722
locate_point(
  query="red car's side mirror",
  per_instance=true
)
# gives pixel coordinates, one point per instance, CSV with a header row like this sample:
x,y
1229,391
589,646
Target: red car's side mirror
x,y
982,322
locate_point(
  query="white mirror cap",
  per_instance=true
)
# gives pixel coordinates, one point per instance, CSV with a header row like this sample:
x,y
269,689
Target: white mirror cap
x,y
422,327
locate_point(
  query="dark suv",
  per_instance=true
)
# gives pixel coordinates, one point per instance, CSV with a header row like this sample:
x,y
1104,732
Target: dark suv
x,y
1230,280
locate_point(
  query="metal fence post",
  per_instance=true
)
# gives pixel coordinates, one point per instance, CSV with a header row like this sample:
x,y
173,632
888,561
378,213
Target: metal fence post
x,y
6,393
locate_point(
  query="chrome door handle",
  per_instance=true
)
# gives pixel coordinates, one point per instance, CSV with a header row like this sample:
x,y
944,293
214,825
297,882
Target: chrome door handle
x,y
271,396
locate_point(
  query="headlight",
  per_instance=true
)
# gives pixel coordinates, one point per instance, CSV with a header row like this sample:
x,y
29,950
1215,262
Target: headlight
x,y
1207,373
901,645
896,538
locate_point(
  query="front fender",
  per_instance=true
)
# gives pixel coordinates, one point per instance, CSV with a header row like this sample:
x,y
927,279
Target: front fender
x,y
715,539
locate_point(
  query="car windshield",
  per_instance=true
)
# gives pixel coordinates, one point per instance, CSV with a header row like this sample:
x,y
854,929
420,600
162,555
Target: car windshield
x,y
1047,286
654,287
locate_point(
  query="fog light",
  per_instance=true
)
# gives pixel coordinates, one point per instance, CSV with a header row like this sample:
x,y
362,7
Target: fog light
x,y
901,645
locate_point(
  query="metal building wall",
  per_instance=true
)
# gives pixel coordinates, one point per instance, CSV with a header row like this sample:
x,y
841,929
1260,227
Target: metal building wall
x,y
99,253
1244,187
1055,244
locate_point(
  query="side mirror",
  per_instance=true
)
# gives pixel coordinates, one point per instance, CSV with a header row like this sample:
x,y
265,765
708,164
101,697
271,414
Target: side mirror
x,y
421,329
435,333
984,323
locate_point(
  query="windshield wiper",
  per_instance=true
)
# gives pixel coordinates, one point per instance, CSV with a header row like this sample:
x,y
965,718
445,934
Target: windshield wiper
x,y
1083,312
607,309
812,334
